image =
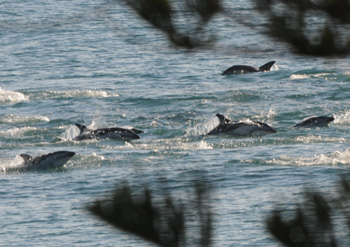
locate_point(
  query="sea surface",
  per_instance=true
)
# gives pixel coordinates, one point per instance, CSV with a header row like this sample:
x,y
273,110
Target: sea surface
x,y
95,63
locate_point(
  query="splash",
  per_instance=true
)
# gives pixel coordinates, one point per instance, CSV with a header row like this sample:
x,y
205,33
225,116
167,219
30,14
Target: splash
x,y
272,113
11,165
336,158
11,97
274,67
342,118
70,133
202,129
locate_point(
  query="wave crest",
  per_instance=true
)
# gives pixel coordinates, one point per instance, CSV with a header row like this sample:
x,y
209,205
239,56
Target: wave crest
x,y
11,119
73,94
11,96
336,158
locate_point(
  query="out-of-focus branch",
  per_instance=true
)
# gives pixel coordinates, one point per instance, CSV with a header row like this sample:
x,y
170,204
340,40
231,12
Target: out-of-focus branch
x,y
316,220
160,220
161,14
318,28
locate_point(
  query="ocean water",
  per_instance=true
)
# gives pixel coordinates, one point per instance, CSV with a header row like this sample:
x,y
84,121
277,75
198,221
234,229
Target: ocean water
x,y
94,63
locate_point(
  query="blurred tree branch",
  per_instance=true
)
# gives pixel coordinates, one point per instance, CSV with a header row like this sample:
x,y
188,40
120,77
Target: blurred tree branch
x,y
160,220
318,28
316,220
161,14
313,27
319,220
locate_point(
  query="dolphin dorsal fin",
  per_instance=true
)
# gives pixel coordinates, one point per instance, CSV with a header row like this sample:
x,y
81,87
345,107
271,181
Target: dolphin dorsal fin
x,y
81,127
26,157
222,119
267,66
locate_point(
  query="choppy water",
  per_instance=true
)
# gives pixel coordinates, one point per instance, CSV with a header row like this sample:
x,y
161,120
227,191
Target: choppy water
x,y
93,63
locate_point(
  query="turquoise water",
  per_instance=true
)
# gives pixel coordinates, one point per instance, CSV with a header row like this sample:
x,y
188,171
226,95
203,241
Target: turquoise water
x,y
93,63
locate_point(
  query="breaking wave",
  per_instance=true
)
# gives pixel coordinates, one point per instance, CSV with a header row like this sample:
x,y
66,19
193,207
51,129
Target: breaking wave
x,y
72,94
14,119
342,118
11,96
336,158
308,76
16,131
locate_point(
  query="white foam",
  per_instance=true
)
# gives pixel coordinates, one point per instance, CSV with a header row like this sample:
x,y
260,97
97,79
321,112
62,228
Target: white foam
x,y
342,118
10,96
91,93
315,139
307,76
10,118
336,158
298,77
76,94
16,131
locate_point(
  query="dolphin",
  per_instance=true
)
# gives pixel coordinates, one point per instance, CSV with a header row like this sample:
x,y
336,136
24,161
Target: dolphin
x,y
313,122
111,133
241,128
241,69
45,161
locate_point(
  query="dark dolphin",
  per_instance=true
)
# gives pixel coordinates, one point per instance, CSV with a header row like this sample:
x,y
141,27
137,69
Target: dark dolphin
x,y
241,69
313,122
111,133
45,161
240,128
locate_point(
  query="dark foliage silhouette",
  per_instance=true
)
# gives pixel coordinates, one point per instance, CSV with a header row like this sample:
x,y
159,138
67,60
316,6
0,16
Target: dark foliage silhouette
x,y
316,221
158,219
311,27
162,15
318,28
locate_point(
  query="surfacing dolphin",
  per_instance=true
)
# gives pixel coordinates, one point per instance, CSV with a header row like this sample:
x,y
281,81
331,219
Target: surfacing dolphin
x,y
241,128
45,161
111,133
242,69
313,122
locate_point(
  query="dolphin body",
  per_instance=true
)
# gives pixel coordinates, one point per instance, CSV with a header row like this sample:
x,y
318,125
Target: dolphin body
x,y
111,133
242,69
240,128
313,122
45,161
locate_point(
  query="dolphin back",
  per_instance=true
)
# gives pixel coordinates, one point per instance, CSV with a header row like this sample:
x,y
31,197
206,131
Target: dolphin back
x,y
118,133
45,161
239,69
241,128
267,66
313,122
137,131
105,133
